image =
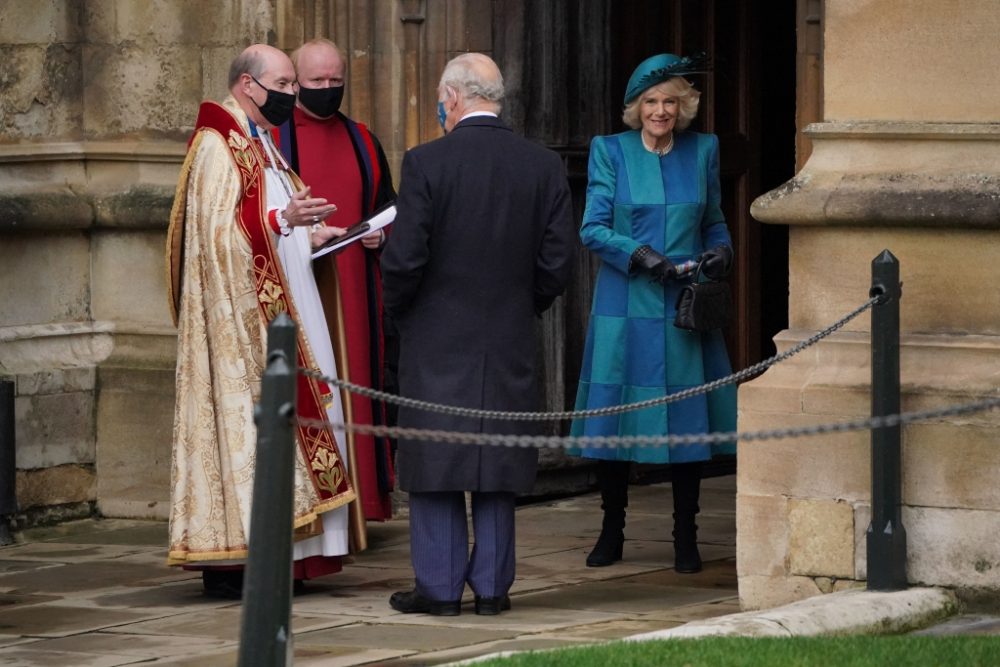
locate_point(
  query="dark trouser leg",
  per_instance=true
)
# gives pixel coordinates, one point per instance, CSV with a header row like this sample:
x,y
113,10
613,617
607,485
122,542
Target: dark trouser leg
x,y
491,565
612,479
686,488
439,544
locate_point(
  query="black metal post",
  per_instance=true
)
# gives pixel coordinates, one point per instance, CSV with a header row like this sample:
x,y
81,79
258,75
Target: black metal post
x,y
8,464
886,536
266,631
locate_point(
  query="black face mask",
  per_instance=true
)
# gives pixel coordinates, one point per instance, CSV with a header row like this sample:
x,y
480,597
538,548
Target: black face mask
x,y
324,102
278,106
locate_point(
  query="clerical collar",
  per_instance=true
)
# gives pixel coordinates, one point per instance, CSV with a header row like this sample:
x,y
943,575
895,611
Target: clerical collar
x,y
473,114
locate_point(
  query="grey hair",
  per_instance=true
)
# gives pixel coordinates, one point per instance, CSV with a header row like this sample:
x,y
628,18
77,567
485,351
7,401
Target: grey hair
x,y
687,102
460,73
248,62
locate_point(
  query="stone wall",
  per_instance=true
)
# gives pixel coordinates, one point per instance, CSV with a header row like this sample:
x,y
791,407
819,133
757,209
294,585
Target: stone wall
x,y
99,98
907,159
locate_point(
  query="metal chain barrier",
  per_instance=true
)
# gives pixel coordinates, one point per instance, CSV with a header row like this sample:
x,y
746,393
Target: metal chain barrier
x,y
610,441
748,372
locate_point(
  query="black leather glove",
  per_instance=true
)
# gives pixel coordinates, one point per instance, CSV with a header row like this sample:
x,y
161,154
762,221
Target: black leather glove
x,y
650,262
717,262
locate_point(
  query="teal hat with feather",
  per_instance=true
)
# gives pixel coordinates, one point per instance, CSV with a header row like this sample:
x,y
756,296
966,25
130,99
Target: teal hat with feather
x,y
657,69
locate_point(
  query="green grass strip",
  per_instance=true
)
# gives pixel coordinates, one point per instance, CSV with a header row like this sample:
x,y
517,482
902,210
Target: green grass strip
x,y
862,651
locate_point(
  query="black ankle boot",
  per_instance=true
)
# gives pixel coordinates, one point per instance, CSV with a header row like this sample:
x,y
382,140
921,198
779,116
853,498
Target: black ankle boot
x,y
686,482
687,559
609,545
612,478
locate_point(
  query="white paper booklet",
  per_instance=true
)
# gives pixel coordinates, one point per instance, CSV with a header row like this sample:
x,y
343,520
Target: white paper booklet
x,y
380,218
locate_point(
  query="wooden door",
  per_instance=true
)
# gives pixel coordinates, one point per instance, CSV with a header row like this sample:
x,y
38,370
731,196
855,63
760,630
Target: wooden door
x,y
568,64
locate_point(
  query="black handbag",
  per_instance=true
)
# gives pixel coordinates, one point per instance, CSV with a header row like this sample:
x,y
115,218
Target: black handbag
x,y
703,306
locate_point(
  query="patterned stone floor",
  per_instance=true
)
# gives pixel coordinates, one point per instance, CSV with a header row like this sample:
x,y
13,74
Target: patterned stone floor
x,y
97,593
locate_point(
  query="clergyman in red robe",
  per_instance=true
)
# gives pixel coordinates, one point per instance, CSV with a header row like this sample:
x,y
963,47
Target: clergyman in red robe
x,y
344,163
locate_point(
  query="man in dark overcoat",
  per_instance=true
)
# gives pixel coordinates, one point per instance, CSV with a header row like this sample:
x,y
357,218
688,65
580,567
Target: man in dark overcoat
x,y
481,246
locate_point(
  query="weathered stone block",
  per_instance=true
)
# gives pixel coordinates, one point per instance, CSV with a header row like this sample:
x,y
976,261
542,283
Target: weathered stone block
x,y
913,43
952,547
825,291
42,347
176,22
215,63
951,465
137,207
135,416
39,22
838,399
833,465
56,381
761,535
820,538
123,97
44,210
759,592
54,429
28,260
123,293
774,397
42,91
58,485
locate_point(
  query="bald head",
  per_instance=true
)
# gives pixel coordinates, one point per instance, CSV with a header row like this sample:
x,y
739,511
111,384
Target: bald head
x,y
255,60
258,69
318,52
476,79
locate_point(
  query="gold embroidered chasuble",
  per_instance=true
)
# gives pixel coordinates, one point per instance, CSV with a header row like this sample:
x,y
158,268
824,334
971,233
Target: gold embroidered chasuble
x,y
226,283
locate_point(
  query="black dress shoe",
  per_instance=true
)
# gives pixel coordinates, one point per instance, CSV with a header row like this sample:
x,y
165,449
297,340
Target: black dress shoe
x,y
492,606
223,584
411,602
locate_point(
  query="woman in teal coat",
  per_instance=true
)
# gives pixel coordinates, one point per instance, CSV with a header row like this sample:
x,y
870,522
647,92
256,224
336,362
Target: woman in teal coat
x,y
653,203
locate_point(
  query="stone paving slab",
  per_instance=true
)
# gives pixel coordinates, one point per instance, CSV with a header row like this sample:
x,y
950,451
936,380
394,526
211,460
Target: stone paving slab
x,y
15,566
401,636
11,600
529,643
99,593
611,630
89,576
171,595
716,574
10,640
371,603
522,619
25,656
59,620
344,656
620,597
226,658
49,552
222,623
148,646
695,612
965,624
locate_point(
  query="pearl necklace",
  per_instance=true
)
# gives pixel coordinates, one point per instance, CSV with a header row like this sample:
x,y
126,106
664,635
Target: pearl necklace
x,y
659,151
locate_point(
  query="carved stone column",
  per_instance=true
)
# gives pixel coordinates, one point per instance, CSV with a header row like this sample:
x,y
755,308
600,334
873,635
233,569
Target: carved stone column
x,y
907,158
